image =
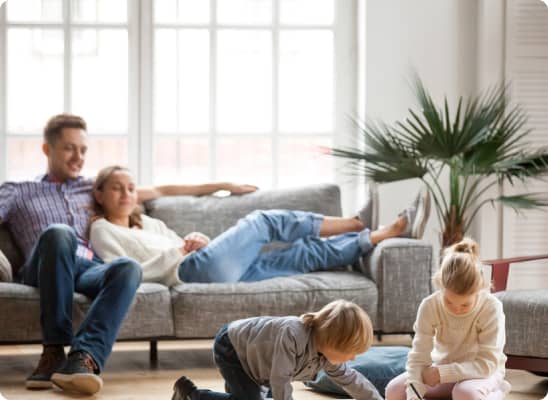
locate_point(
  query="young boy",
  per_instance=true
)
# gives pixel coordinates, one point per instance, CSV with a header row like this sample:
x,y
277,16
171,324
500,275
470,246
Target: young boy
x,y
262,353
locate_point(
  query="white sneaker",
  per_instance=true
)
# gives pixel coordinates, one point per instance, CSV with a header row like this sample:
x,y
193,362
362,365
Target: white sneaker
x,y
369,213
417,215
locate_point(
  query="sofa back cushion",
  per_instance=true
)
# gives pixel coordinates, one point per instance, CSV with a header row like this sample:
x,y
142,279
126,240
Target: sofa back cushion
x,y
10,250
213,215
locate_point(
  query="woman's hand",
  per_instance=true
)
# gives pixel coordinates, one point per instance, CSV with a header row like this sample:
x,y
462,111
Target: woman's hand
x,y
194,242
431,376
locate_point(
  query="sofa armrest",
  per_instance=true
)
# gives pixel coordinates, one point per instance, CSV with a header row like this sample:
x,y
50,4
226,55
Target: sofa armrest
x,y
401,269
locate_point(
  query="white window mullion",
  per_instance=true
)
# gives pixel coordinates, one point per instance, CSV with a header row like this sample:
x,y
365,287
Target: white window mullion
x,y
134,83
345,95
213,91
275,86
67,56
3,91
145,144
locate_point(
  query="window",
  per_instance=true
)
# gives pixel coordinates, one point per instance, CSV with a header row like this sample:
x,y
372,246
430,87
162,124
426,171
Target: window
x,y
181,90
527,69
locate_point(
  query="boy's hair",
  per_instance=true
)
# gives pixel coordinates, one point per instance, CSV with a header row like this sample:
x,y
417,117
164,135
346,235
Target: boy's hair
x,y
57,123
460,269
97,209
342,326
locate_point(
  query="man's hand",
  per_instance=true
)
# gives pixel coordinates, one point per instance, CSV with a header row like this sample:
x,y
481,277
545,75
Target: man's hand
x,y
194,242
431,376
241,189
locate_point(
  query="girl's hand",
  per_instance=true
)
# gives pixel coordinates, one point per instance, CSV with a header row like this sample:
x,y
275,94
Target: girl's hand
x,y
431,376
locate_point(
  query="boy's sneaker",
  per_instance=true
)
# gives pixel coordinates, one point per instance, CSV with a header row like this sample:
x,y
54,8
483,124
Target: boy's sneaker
x,y
53,357
183,388
369,213
79,374
417,215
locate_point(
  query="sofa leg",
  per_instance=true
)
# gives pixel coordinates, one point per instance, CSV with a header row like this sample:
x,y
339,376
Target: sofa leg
x,y
153,353
379,336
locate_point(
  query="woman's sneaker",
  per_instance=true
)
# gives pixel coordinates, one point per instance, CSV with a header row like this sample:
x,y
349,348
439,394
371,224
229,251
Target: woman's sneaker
x,y
182,388
52,358
417,215
369,213
79,374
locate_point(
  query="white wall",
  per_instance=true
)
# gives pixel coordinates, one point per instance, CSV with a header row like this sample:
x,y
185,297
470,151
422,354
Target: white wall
x,y
436,38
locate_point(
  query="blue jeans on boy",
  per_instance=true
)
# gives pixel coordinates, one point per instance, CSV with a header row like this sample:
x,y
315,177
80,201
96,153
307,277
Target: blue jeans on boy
x,y
235,255
58,272
239,384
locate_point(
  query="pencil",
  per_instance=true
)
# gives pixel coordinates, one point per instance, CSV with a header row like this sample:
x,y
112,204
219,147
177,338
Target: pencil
x,y
415,390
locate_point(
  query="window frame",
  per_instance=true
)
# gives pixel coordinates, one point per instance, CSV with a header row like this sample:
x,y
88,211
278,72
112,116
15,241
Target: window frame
x,y
140,136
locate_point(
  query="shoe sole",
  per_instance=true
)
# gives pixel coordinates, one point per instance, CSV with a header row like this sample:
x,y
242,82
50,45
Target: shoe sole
x,y
81,383
423,211
38,385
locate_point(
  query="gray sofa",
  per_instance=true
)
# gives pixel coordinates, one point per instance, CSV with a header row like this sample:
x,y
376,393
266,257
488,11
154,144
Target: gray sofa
x,y
389,284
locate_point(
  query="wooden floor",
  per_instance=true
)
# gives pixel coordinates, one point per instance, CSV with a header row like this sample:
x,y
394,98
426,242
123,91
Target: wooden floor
x,y
128,375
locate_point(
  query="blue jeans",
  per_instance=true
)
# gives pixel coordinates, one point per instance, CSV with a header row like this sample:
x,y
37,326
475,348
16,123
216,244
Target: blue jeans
x,y
55,269
235,255
240,385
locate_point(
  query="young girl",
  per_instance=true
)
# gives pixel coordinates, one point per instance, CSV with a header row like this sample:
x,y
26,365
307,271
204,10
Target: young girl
x,y
235,255
459,336
270,352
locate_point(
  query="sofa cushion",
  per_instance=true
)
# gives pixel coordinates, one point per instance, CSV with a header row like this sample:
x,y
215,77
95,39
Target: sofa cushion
x,y
213,215
5,269
526,314
201,309
149,316
379,364
23,302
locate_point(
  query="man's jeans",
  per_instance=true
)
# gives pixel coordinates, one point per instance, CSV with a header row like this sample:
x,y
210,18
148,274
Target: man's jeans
x,y
240,385
55,269
235,255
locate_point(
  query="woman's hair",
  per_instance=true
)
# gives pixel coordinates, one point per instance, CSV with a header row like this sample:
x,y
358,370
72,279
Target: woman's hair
x,y
460,269
342,326
97,209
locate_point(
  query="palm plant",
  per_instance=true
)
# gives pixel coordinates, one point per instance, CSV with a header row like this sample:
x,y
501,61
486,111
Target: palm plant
x,y
481,147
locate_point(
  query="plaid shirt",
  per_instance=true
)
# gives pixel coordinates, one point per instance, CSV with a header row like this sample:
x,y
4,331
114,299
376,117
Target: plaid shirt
x,y
29,207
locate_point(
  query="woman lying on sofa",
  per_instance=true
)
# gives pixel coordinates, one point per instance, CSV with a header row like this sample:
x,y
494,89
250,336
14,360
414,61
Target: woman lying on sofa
x,y
316,242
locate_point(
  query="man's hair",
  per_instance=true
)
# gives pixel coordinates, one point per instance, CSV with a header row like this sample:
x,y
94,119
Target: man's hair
x,y
341,326
460,269
57,123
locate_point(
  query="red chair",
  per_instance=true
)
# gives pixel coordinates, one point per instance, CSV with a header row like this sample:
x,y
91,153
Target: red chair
x,y
517,305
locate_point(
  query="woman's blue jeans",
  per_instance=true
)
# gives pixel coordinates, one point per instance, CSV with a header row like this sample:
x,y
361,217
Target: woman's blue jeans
x,y
58,272
235,255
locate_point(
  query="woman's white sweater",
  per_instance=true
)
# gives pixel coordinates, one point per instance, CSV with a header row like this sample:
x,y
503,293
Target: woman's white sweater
x,y
462,347
155,247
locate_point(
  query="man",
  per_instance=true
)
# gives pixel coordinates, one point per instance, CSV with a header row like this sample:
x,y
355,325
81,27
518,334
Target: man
x,y
48,219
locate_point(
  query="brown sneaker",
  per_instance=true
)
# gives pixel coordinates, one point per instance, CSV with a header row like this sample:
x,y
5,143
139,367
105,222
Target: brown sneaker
x,y
53,357
79,374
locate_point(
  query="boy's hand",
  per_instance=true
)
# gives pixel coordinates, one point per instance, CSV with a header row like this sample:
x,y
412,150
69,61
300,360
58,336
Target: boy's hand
x,y
431,376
